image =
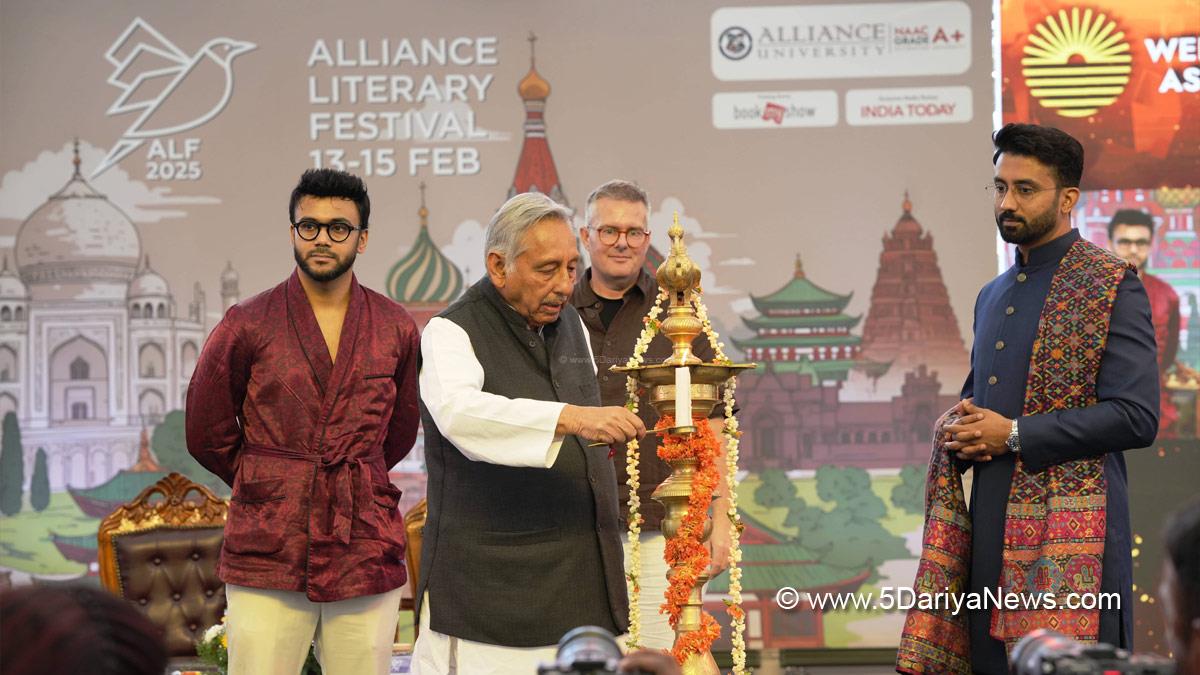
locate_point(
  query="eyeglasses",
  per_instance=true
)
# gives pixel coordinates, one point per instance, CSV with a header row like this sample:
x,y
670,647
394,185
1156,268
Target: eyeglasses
x,y
611,235
308,230
1022,193
1132,243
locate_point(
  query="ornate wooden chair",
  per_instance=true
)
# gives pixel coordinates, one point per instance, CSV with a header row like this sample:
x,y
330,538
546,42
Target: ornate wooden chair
x,y
160,553
414,522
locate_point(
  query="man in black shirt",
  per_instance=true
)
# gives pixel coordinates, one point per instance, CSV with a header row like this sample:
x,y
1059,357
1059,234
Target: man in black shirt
x,y
613,296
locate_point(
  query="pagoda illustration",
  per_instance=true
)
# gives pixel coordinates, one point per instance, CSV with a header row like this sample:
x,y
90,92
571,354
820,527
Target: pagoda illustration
x,y
424,280
103,499
773,560
535,168
1176,254
804,329
910,321
795,413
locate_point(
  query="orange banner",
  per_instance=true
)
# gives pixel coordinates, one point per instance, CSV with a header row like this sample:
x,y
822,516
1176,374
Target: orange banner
x,y
1121,76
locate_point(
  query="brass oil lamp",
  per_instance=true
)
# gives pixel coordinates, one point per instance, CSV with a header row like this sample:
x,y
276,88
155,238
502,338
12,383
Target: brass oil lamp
x,y
696,388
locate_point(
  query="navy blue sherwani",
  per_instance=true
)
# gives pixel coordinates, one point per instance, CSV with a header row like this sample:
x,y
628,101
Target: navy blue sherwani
x,y
1125,416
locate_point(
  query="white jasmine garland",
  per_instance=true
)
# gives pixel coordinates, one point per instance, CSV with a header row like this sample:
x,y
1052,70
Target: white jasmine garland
x,y
732,434
632,457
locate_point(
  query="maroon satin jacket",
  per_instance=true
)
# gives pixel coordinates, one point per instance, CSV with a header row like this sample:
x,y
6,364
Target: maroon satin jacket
x,y
305,443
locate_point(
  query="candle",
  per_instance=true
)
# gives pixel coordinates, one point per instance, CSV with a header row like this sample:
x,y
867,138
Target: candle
x,y
683,397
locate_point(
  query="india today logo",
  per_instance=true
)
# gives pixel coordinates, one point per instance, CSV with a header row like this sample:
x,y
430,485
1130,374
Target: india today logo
x,y
174,91
735,43
1076,63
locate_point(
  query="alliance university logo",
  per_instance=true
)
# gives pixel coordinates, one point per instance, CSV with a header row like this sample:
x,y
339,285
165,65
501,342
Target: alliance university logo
x,y
1076,63
735,43
149,70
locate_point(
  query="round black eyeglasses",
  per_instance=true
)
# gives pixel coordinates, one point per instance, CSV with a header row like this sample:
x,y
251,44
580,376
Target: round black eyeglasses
x,y
308,230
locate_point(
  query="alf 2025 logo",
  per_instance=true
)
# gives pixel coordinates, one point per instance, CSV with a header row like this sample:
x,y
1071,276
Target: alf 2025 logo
x,y
172,91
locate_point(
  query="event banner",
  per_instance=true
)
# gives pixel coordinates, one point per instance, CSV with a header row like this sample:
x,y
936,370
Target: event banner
x,y
827,162
1121,76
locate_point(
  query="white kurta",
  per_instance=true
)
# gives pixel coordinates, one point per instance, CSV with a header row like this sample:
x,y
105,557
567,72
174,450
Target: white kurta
x,y
485,428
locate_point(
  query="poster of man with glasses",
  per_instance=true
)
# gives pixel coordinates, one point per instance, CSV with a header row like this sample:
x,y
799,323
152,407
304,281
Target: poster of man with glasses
x,y
1130,236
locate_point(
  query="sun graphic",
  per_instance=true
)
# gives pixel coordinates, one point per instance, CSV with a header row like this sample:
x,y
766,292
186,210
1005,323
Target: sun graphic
x,y
1076,63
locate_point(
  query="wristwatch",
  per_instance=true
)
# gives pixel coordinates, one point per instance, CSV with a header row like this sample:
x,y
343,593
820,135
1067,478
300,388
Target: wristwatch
x,y
1014,439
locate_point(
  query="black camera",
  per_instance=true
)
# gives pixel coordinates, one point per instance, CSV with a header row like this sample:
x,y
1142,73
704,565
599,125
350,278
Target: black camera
x,y
587,649
1046,652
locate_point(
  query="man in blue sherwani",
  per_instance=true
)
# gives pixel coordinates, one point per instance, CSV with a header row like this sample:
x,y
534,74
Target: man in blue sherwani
x,y
1036,185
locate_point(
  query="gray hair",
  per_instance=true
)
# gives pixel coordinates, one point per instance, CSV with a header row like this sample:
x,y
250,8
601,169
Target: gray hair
x,y
507,228
620,190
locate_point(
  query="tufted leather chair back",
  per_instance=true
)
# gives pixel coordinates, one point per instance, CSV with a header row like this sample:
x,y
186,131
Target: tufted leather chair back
x,y
160,553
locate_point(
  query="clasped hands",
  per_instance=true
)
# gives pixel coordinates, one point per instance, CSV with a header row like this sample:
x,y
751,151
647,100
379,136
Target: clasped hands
x,y
979,434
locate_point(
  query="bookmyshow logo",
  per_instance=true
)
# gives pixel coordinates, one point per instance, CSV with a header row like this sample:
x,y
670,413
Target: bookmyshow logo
x,y
771,112
775,109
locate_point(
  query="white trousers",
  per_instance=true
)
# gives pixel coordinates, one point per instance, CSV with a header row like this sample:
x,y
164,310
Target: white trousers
x,y
269,632
656,631
438,654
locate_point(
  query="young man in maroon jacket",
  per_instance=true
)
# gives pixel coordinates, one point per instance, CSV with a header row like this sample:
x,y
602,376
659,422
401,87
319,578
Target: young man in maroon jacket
x,y
303,398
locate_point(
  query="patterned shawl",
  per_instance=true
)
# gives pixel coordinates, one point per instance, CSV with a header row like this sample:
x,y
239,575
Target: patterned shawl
x,y
1055,520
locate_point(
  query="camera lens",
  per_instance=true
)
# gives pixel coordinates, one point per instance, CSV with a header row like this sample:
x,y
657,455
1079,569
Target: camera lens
x,y
588,649
1039,648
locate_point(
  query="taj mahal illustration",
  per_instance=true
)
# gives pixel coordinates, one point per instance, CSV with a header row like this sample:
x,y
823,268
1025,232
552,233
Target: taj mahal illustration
x,y
93,348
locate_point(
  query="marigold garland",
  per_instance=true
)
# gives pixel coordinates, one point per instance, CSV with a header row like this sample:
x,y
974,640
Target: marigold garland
x,y
686,553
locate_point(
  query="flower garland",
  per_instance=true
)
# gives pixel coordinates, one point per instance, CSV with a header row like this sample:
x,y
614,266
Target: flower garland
x,y
718,347
703,446
213,648
686,553
734,604
732,440
632,457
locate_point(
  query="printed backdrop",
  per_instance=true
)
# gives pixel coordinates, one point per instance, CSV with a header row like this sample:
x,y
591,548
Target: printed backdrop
x,y
826,161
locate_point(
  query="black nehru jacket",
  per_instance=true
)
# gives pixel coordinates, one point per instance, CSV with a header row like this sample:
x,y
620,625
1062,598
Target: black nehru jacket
x,y
518,556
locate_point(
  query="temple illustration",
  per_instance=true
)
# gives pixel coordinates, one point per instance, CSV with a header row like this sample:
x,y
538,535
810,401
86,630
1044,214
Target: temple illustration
x,y
804,329
911,322
795,417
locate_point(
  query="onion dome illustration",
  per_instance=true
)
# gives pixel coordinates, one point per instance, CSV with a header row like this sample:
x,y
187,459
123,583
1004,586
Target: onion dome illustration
x,y
424,276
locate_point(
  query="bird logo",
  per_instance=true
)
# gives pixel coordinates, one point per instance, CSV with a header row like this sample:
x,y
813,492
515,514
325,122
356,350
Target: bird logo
x,y
166,84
